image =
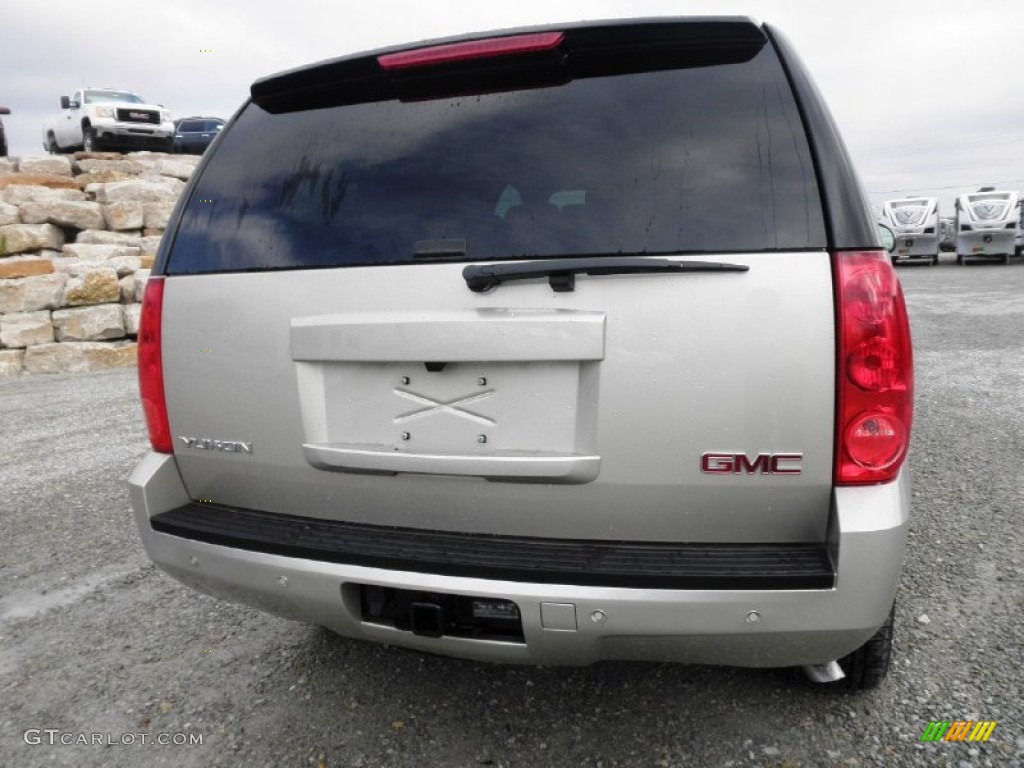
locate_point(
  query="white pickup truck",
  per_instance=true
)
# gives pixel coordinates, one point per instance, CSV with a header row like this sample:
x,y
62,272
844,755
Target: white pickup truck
x,y
106,118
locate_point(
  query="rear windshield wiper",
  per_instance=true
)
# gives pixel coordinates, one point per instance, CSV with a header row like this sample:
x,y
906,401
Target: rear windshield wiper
x,y
561,273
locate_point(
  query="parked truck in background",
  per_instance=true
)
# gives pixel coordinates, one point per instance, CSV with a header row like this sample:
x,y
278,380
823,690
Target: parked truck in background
x,y
987,225
915,222
3,137
947,233
108,118
1019,240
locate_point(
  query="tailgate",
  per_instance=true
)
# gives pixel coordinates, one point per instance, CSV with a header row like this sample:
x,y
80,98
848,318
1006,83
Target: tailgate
x,y
689,407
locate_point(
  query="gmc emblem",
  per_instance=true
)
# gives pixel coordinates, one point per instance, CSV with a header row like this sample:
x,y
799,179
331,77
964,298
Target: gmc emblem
x,y
739,464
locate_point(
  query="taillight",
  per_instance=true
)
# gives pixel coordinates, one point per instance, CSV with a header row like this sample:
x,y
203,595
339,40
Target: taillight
x,y
472,49
151,369
875,372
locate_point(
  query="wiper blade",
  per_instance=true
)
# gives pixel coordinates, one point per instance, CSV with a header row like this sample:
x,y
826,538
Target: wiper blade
x,y
561,273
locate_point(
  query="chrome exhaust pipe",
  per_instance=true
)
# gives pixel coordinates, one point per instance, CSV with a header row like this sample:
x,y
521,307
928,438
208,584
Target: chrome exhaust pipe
x,y
824,673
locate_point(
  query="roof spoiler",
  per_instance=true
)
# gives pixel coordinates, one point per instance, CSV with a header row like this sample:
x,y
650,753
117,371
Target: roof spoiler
x,y
581,50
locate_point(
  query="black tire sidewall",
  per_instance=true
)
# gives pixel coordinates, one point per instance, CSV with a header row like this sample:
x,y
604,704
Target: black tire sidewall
x,y
868,666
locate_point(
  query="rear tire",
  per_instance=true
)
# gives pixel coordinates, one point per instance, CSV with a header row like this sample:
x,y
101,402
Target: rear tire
x,y
867,666
1006,258
959,259
88,139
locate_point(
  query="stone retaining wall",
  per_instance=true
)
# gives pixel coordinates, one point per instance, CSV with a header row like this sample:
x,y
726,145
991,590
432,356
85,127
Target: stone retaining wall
x,y
78,236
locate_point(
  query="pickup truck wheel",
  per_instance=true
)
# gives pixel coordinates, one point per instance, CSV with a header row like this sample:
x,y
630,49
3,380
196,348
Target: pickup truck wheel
x,y
867,666
88,140
51,145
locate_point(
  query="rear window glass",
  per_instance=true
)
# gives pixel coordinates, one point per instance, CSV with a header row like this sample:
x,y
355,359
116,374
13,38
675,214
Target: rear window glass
x,y
698,160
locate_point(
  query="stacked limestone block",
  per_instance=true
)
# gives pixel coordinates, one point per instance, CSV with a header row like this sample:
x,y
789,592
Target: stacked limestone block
x,y
78,236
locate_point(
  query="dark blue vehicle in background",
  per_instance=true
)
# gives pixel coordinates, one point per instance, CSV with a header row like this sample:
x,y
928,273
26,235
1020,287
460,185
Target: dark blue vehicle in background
x,y
192,135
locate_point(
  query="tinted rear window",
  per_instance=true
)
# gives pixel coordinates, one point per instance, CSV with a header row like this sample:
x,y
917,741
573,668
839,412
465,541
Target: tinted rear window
x,y
706,159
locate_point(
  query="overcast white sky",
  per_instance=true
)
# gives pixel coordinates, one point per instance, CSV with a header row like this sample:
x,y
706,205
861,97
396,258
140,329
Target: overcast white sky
x,y
928,95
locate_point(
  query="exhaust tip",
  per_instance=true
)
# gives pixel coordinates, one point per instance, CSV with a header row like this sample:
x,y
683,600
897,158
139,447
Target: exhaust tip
x,y
824,673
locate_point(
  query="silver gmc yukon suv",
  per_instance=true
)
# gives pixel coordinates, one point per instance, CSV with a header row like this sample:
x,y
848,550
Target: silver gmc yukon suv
x,y
549,346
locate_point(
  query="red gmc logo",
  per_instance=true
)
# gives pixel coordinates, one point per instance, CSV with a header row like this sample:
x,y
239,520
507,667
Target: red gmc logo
x,y
739,464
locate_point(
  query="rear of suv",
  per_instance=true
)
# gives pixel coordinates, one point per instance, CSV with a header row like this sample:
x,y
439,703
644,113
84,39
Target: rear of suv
x,y
547,346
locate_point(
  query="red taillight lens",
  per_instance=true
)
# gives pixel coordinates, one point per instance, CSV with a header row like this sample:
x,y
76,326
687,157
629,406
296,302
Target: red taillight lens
x,y
875,377
874,365
473,49
151,369
876,441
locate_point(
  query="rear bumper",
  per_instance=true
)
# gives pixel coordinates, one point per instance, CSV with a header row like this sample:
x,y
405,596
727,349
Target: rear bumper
x,y
909,246
566,624
986,243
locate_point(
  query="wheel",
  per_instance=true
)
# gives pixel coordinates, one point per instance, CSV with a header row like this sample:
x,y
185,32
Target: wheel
x,y
935,260
867,666
51,144
88,139
1006,258
959,259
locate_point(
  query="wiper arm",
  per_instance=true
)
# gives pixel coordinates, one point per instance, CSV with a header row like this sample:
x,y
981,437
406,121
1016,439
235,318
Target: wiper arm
x,y
561,273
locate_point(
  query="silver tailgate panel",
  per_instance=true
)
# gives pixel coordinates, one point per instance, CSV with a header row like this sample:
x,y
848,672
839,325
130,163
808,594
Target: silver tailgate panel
x,y
622,384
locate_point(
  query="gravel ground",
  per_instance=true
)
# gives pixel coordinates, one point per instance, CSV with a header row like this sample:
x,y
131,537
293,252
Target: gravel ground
x,y
94,640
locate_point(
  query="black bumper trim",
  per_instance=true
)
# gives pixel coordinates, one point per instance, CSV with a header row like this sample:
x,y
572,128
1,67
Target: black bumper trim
x,y
582,562
113,140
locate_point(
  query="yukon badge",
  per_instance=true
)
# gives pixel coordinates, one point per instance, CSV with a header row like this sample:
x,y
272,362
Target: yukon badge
x,y
761,464
206,444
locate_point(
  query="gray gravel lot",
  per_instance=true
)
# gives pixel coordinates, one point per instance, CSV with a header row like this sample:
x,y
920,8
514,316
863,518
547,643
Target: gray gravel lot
x,y
95,640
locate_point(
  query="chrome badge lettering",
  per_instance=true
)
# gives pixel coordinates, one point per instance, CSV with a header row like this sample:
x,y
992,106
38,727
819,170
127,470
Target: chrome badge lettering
x,y
741,464
206,444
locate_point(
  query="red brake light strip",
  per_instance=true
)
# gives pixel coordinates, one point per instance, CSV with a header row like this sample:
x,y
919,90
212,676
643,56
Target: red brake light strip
x,y
473,49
